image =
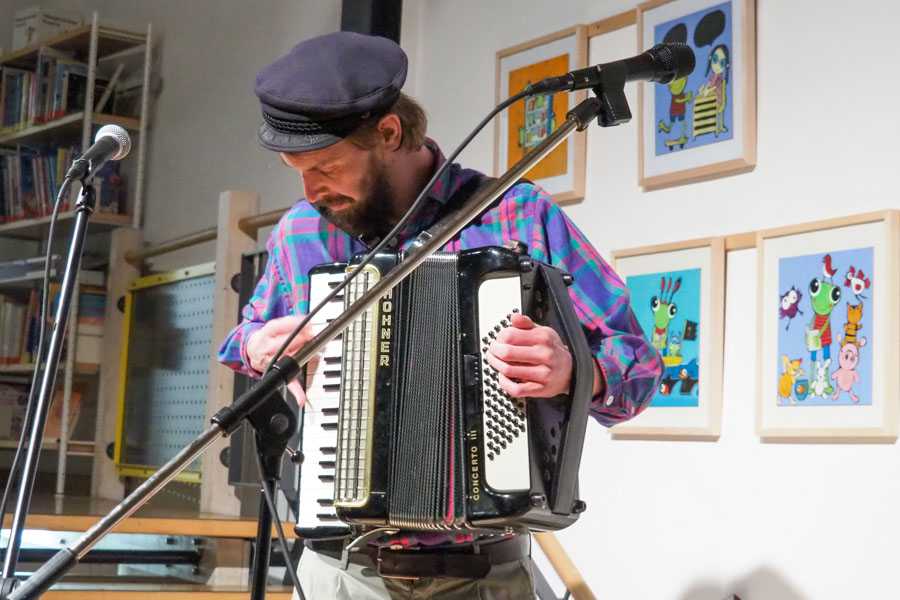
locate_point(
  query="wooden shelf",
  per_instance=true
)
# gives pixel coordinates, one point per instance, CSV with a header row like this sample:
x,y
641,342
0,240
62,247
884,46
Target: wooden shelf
x,y
110,41
78,513
27,282
155,591
69,125
36,229
76,447
26,369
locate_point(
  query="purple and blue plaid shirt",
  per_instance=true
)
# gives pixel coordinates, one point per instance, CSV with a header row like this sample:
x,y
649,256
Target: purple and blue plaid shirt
x,y
303,239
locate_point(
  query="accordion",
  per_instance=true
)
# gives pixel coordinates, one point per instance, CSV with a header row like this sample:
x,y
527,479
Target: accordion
x,y
406,424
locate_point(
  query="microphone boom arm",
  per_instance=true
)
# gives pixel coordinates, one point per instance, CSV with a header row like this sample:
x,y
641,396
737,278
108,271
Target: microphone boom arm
x,y
225,421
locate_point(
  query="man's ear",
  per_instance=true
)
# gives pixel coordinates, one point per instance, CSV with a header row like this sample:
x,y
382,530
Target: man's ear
x,y
391,132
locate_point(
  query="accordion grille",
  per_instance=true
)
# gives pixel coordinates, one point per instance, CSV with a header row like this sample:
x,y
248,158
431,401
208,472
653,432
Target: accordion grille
x,y
354,439
426,489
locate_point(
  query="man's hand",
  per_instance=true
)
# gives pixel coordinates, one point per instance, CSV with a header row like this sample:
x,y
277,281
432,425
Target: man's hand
x,y
265,342
531,359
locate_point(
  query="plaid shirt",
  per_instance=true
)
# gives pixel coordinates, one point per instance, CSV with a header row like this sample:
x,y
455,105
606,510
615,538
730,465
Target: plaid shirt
x,y
302,239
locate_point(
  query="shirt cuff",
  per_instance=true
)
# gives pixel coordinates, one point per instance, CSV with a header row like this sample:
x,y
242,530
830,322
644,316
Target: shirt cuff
x,y
612,384
248,330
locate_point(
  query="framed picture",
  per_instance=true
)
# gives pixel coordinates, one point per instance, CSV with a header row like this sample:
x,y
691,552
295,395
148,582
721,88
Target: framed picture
x,y
529,122
704,125
828,330
677,293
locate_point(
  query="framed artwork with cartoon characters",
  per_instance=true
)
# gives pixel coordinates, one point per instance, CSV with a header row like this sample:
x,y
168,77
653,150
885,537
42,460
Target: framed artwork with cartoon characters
x,y
677,293
529,122
704,125
829,344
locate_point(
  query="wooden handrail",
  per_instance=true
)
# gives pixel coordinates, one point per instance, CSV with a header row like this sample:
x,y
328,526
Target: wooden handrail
x,y
249,225
564,567
136,257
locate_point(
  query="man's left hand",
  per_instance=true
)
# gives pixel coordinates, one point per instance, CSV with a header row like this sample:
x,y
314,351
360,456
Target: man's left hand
x,y
531,360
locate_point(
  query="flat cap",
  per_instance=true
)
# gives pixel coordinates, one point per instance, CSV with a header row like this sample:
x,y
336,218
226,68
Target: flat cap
x,y
325,87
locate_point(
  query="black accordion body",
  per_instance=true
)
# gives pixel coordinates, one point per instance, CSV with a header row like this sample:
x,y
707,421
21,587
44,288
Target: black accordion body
x,y
407,425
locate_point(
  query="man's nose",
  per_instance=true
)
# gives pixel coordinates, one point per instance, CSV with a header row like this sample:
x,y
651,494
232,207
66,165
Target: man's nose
x,y
312,188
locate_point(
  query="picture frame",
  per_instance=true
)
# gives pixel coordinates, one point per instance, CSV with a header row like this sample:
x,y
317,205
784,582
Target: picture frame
x,y
677,293
702,126
829,340
528,122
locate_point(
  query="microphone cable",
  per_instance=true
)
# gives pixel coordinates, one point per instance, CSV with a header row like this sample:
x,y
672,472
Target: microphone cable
x,y
407,216
38,355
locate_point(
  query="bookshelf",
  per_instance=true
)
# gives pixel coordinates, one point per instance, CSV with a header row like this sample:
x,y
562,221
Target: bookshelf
x,y
65,126
36,228
67,86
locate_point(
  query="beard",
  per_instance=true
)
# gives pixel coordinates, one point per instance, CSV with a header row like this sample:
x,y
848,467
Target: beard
x,y
366,217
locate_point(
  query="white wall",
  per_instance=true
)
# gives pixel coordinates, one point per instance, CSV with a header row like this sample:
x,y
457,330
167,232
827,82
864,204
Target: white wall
x,y
695,520
203,128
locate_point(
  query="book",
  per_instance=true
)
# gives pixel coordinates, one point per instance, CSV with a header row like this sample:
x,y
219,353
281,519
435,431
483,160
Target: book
x,y
13,401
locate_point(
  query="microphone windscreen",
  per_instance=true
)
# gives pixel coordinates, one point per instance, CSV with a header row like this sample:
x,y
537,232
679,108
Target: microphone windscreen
x,y
676,57
120,135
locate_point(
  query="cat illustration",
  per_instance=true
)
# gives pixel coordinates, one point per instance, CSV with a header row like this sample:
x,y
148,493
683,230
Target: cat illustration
x,y
853,325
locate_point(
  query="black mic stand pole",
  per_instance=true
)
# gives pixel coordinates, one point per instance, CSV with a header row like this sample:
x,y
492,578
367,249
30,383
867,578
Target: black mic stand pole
x,y
264,407
83,210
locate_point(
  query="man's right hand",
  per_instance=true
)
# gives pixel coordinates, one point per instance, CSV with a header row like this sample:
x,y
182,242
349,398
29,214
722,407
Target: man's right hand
x,y
265,342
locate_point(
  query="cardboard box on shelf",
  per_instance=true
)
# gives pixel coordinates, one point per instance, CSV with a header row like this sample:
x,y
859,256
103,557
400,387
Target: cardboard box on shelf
x,y
35,24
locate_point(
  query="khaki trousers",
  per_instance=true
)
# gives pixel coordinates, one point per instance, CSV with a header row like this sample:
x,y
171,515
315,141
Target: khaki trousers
x,y
322,578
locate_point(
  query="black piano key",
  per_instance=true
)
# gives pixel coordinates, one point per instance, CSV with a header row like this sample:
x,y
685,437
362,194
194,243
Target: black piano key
x,y
332,373
325,502
330,412
326,478
329,426
327,449
332,360
334,284
331,387
329,464
326,516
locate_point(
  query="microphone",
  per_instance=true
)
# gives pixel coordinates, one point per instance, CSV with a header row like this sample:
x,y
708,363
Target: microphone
x,y
662,63
111,143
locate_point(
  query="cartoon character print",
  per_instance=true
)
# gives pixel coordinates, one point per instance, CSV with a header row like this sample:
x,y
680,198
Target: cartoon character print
x,y
821,386
823,297
789,376
790,306
853,325
718,71
857,281
847,376
664,310
680,96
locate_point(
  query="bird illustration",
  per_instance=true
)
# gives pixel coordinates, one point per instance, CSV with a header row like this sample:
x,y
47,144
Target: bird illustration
x,y
857,281
827,268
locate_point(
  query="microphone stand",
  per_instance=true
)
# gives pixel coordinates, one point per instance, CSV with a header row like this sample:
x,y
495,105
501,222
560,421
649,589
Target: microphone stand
x,y
40,410
263,405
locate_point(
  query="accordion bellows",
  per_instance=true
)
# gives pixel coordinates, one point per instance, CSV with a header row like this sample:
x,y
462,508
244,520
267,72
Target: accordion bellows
x,y
418,434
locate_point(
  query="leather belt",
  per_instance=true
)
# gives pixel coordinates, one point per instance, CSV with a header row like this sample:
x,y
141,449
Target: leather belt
x,y
469,561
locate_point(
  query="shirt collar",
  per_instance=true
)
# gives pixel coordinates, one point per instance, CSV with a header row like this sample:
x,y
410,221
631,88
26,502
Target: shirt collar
x,y
443,189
